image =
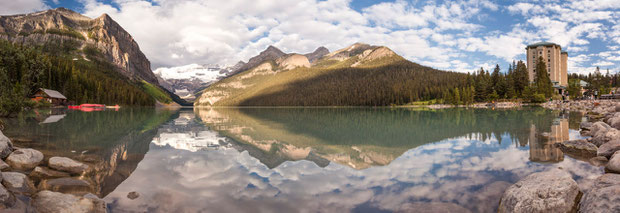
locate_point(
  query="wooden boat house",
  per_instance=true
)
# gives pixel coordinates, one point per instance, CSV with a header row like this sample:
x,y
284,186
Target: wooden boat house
x,y
52,96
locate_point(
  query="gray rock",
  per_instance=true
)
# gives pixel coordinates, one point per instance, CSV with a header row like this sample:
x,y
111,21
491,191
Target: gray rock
x,y
40,172
601,137
52,202
613,165
17,182
6,147
6,198
604,196
66,185
549,191
599,161
67,165
609,148
585,125
614,120
598,126
617,108
578,148
24,159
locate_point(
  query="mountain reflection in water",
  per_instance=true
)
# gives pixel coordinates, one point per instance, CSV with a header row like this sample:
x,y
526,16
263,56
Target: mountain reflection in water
x,y
313,159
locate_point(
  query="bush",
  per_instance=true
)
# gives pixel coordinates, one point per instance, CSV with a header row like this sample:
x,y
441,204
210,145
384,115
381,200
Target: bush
x,y
538,98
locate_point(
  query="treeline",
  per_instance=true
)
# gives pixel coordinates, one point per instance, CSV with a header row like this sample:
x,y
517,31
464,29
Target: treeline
x,y
397,83
596,81
485,86
25,69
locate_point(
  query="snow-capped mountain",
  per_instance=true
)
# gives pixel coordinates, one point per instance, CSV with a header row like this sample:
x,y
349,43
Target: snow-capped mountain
x,y
185,81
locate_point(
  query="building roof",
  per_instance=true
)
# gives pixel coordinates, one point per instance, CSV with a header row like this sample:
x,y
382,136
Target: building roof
x,y
53,93
583,83
541,44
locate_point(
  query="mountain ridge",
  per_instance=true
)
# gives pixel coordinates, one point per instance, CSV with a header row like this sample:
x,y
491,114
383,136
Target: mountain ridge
x,y
66,26
357,75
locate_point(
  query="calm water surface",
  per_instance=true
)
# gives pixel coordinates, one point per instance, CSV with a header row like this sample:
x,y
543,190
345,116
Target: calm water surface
x,y
306,159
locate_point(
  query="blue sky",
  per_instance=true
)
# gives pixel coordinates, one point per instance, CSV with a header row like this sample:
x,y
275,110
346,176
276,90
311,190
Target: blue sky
x,y
451,35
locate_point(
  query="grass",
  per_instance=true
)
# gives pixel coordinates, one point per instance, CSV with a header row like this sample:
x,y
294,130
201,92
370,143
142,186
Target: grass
x,y
66,32
424,103
156,92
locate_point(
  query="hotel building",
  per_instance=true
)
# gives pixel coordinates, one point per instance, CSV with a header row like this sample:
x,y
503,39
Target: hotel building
x,y
555,59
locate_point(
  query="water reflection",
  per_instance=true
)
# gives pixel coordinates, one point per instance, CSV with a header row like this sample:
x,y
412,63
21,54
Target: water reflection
x,y
111,142
308,159
271,163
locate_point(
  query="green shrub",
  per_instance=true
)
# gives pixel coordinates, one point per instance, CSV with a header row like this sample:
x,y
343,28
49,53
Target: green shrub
x,y
538,98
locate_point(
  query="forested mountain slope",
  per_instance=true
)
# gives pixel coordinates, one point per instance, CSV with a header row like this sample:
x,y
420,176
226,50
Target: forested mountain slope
x,y
359,75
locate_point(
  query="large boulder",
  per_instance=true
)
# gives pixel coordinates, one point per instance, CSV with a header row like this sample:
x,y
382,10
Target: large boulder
x,y
24,159
614,163
6,147
598,126
549,191
603,136
585,125
41,172
56,202
17,182
578,148
67,165
609,148
604,196
614,120
66,185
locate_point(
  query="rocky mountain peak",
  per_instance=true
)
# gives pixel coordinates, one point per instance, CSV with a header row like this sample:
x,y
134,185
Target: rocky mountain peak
x,y
271,53
317,54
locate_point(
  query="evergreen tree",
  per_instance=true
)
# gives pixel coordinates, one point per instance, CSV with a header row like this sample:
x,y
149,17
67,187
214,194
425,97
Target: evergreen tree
x,y
542,81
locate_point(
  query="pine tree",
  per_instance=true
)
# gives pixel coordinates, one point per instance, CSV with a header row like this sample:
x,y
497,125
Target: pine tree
x,y
542,81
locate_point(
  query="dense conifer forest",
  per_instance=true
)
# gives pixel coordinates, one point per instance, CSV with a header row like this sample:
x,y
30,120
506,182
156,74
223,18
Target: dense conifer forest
x,y
25,69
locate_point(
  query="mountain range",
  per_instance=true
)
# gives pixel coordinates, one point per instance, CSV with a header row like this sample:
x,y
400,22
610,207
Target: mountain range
x,y
357,75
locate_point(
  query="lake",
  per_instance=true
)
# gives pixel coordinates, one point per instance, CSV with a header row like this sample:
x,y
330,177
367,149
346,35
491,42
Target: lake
x,y
306,159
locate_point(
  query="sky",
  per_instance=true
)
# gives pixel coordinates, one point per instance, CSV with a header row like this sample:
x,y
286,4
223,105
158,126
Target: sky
x,y
451,35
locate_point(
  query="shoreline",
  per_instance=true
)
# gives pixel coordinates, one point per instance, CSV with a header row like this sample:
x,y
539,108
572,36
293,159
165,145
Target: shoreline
x,y
34,182
555,190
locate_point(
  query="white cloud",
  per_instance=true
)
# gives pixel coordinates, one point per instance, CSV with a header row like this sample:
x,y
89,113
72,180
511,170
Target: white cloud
x,y
10,7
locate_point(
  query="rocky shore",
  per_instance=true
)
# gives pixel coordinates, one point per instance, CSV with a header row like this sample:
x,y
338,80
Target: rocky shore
x,y
32,182
555,190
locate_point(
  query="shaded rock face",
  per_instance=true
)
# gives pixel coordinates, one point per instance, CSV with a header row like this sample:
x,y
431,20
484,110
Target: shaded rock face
x,y
67,165
549,191
578,148
6,147
103,33
604,195
317,54
24,159
47,201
